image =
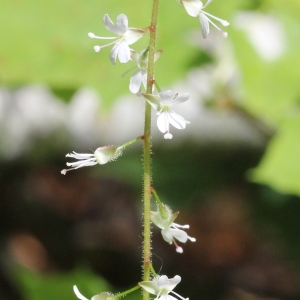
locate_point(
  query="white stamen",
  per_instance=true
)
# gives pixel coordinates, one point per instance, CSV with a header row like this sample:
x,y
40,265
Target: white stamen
x,y
168,136
97,48
225,34
93,36
179,249
223,22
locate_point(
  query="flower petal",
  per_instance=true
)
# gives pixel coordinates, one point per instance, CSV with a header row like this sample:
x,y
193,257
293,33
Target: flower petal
x,y
163,122
192,7
178,234
82,163
78,294
150,286
135,56
204,25
121,26
181,98
133,34
120,50
167,235
80,155
176,120
135,81
166,95
169,284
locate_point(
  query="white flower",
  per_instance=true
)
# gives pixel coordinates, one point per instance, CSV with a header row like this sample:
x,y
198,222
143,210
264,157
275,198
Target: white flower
x,y
163,102
195,8
125,37
162,286
101,156
140,76
102,296
170,231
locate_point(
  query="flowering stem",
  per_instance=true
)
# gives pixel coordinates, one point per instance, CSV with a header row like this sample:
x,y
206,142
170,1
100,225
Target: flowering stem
x,y
147,151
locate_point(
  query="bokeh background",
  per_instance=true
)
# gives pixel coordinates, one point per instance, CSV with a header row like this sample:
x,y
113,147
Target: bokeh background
x,y
234,172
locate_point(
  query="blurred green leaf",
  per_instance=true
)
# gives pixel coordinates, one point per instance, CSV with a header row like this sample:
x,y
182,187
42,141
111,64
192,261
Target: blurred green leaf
x,y
47,42
271,88
59,285
272,93
280,167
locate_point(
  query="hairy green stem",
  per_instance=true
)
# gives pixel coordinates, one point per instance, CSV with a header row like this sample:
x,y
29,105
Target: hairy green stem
x,y
147,151
120,295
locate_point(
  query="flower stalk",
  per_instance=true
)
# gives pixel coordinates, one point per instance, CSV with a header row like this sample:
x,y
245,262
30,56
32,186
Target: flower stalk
x,y
147,151
123,294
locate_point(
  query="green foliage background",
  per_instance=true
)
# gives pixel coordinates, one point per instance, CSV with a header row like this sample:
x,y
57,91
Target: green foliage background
x,y
46,41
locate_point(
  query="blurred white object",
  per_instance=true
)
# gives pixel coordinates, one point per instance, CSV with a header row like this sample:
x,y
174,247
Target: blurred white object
x,y
25,114
32,115
265,34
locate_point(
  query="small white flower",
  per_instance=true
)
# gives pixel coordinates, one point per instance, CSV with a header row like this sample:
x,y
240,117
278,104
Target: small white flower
x,y
101,156
163,102
195,8
140,76
162,286
125,37
170,231
102,296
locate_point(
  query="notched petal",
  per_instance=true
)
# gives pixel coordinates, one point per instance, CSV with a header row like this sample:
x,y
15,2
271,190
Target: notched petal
x,y
118,28
122,23
166,95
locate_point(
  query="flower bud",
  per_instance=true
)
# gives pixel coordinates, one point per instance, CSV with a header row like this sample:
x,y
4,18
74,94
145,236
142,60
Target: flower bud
x,y
107,153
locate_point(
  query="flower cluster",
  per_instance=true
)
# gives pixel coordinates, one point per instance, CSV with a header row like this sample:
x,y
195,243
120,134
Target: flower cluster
x,y
163,102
